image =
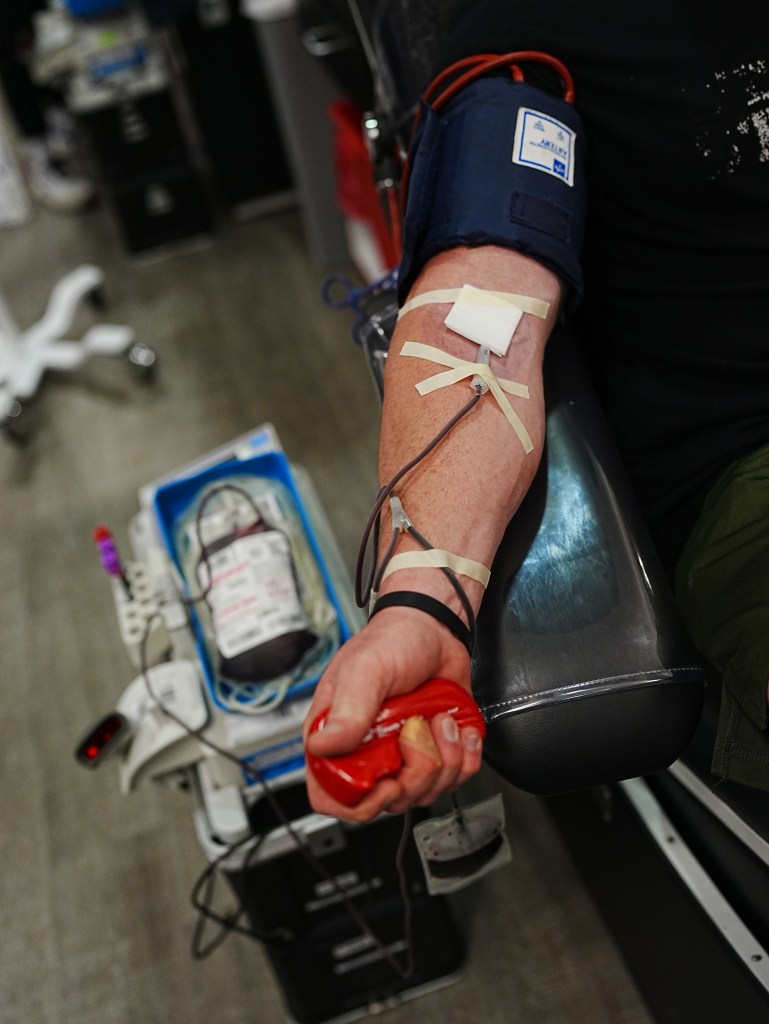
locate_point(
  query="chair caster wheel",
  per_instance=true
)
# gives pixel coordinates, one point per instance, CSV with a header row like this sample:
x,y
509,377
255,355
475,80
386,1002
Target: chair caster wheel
x,y
143,359
97,298
12,425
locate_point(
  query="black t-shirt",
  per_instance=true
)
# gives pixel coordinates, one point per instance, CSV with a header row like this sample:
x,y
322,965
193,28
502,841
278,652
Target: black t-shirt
x,y
674,96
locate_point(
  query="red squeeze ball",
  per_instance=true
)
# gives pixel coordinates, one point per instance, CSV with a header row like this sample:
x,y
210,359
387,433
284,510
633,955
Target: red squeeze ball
x,y
349,777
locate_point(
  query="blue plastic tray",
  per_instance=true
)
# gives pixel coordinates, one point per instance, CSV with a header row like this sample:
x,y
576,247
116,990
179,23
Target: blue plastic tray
x,y
89,8
172,500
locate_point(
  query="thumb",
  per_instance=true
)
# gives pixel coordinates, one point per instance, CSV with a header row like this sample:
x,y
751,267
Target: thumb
x,y
348,720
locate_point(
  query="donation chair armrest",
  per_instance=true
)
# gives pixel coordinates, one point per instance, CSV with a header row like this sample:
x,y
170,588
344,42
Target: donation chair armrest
x,y
583,668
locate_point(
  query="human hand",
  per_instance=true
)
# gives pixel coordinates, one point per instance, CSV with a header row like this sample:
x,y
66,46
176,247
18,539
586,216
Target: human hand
x,y
396,652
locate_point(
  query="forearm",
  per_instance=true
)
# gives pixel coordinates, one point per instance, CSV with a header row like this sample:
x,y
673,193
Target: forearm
x,y
464,494
460,498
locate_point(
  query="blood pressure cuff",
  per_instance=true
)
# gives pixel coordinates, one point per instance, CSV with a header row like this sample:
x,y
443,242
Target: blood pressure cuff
x,y
501,164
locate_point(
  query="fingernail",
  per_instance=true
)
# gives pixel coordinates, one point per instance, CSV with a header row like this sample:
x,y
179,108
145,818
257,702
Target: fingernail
x,y
416,732
450,729
473,741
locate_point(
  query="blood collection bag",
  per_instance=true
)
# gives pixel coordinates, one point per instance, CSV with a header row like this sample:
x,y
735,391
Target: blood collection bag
x,y
250,582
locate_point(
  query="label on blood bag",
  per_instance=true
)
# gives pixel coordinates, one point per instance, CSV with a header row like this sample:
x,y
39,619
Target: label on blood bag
x,y
253,596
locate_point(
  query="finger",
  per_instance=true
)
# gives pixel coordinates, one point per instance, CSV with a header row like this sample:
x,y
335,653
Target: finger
x,y
421,763
417,734
447,738
472,754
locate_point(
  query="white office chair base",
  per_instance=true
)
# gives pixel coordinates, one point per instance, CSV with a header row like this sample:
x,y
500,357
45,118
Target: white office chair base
x,y
26,355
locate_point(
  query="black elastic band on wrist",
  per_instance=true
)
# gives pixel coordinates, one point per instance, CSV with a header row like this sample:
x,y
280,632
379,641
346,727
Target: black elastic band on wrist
x,y
423,603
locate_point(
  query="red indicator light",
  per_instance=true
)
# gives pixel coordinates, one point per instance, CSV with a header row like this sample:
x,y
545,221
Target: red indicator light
x,y
102,739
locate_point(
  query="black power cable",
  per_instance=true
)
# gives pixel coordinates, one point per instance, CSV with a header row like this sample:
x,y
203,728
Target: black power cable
x,y
314,862
202,897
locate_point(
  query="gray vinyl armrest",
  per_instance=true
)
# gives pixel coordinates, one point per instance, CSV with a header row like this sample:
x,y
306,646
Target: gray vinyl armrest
x,y
583,669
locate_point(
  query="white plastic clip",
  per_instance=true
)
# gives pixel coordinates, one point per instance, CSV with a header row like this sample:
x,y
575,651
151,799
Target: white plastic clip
x,y
400,520
478,383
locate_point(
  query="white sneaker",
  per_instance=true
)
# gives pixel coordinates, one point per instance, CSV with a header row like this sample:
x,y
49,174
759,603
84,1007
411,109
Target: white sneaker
x,y
51,183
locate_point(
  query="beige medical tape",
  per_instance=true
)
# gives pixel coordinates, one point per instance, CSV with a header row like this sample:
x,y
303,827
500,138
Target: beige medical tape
x,y
460,369
436,559
480,297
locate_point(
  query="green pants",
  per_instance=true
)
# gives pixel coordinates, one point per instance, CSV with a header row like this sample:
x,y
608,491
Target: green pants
x,y
722,587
